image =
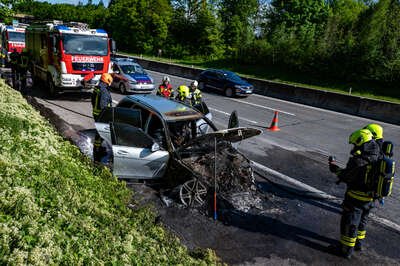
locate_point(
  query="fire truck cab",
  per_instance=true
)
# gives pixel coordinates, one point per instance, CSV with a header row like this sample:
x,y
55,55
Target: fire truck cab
x,y
68,56
12,37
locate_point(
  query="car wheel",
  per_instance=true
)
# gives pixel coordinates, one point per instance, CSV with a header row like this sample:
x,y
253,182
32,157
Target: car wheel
x,y
122,88
229,92
193,193
53,91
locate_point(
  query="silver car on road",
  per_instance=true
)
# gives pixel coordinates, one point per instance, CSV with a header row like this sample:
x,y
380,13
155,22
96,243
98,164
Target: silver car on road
x,y
146,132
130,77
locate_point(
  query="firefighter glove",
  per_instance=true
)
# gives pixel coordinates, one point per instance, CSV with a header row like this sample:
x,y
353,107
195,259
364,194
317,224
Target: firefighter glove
x,y
334,168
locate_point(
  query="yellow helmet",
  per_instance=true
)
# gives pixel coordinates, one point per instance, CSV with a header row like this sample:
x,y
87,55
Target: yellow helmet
x,y
183,90
376,130
359,137
106,78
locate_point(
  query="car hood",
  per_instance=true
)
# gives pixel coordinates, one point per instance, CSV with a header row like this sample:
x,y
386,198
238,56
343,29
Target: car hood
x,y
230,135
140,78
220,163
240,82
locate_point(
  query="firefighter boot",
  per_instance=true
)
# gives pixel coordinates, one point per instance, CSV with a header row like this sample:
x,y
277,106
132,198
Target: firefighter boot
x,y
346,251
358,246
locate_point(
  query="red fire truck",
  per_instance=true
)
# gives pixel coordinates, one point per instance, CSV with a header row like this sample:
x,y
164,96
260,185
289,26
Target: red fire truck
x,y
12,36
68,56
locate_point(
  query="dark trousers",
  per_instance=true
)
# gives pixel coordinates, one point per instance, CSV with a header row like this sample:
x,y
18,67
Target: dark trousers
x,y
22,75
97,150
353,223
14,76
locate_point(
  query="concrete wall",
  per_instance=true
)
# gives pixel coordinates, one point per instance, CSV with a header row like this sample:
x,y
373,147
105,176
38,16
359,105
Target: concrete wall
x,y
369,108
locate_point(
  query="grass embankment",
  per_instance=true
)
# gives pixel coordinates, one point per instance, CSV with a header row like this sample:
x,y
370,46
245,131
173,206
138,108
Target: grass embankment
x,y
363,89
56,208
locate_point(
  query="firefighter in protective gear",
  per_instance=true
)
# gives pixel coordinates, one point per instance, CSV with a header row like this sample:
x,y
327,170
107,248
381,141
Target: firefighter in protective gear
x,y
196,96
359,196
377,133
101,98
23,61
14,59
183,94
2,57
165,88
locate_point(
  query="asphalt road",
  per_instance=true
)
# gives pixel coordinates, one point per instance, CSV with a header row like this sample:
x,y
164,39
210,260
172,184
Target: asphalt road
x,y
307,137
300,230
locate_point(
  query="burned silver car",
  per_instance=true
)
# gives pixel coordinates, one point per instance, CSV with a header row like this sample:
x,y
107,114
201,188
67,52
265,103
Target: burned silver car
x,y
152,137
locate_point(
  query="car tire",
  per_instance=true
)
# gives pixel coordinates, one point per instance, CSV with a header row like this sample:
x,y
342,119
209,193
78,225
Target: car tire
x,y
229,92
122,88
53,90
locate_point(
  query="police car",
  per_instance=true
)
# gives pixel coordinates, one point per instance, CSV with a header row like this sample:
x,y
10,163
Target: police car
x,y
130,77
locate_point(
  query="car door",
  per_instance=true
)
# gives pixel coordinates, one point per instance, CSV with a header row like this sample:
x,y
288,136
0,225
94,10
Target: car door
x,y
136,155
212,80
119,115
117,76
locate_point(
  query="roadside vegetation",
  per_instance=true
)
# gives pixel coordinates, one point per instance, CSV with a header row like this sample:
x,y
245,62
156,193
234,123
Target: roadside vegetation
x,y
57,208
334,44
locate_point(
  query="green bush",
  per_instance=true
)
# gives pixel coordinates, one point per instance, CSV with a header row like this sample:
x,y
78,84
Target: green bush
x,y
56,208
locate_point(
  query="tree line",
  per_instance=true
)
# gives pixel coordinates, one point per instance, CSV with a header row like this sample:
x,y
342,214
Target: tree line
x,y
352,40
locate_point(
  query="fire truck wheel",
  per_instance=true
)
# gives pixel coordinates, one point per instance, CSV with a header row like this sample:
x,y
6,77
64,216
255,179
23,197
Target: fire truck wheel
x,y
52,88
122,88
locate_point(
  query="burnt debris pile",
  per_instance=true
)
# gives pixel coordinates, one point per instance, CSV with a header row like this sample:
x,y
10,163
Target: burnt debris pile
x,y
233,170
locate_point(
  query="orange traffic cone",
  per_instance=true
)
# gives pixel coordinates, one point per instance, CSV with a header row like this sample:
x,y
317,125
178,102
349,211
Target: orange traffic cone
x,y
274,124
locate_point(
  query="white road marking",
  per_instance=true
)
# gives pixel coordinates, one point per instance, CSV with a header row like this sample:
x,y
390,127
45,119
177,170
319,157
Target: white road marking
x,y
337,113
322,194
296,104
293,181
263,107
228,114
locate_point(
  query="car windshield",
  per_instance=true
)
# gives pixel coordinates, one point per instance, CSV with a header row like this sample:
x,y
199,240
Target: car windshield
x,y
232,76
16,36
85,44
183,131
132,69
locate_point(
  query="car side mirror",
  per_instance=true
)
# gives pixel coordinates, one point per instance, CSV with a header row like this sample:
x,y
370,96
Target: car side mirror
x,y
233,120
155,147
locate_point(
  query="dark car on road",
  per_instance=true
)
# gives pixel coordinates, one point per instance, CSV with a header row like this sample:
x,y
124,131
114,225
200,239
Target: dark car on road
x,y
224,81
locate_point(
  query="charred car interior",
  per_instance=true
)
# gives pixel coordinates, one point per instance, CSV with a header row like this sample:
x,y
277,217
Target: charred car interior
x,y
153,138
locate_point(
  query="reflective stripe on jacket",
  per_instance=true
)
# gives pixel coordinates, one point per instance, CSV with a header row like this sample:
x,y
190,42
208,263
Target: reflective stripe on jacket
x,y
196,97
360,195
165,91
101,98
96,102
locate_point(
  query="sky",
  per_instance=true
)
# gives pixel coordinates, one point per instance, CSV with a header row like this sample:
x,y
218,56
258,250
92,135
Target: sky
x,y
73,2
